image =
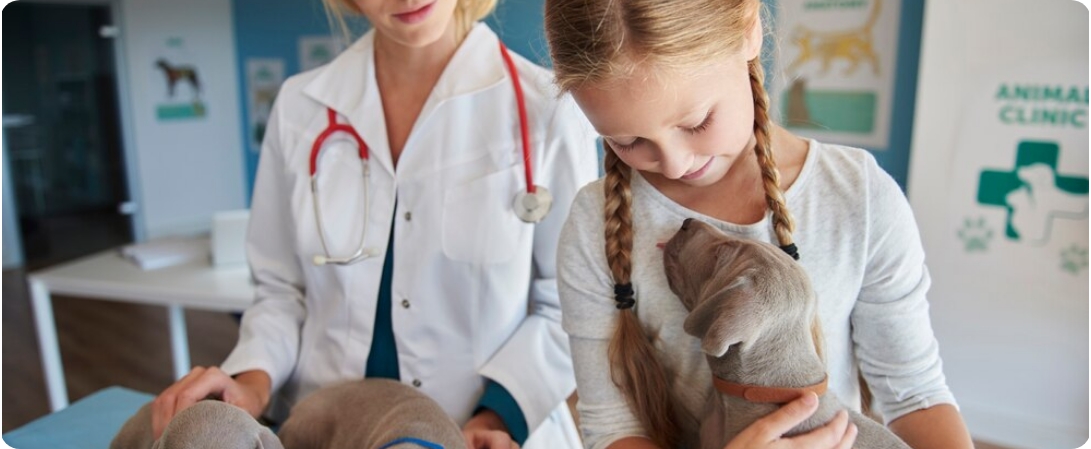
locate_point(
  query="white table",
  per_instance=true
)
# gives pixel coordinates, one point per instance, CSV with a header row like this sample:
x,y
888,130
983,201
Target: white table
x,y
107,275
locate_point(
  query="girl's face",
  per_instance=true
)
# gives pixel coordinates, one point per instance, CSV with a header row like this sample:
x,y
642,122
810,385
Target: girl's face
x,y
412,23
689,129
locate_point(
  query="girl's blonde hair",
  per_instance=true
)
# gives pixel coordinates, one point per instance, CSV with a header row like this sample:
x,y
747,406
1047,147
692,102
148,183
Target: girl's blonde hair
x,y
594,41
467,12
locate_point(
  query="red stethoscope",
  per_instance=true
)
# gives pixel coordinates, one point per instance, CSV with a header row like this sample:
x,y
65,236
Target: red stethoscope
x,y
530,205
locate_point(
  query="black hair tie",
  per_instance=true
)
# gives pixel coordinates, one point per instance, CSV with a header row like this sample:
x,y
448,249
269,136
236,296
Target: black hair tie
x,y
623,295
791,250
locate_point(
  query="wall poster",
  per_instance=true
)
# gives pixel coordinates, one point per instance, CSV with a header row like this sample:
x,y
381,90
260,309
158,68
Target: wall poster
x,y
263,79
177,83
838,60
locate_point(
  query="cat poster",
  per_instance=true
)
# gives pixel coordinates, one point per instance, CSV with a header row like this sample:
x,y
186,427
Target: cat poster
x,y
836,69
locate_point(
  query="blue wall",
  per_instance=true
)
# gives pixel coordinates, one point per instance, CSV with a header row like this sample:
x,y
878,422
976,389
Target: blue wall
x,y
271,28
895,157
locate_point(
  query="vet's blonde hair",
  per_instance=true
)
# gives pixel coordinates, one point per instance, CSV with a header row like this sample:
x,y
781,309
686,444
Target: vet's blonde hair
x,y
467,12
595,41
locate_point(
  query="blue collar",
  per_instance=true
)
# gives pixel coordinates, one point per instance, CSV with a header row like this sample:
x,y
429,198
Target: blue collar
x,y
422,443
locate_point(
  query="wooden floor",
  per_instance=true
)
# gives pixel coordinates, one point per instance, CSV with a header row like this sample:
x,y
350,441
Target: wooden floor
x,y
103,343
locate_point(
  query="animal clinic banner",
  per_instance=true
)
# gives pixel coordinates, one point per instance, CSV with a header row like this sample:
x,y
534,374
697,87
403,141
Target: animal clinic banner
x,y
1018,209
838,59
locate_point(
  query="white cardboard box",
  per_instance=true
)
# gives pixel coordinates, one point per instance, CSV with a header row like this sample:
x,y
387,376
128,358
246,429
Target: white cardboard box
x,y
229,237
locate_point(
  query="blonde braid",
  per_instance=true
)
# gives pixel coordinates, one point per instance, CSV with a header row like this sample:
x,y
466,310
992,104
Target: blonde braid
x,y
634,365
783,223
619,216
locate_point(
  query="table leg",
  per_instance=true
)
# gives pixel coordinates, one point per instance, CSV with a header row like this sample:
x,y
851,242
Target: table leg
x,y
48,345
179,344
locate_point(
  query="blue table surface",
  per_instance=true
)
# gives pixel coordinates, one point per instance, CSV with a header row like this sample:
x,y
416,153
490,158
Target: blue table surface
x,y
89,423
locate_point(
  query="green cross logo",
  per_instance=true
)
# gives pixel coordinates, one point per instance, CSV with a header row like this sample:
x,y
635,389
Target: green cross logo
x,y
1033,193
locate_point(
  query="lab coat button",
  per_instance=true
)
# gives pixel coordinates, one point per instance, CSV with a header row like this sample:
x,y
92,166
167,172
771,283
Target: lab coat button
x,y
416,383
408,216
405,303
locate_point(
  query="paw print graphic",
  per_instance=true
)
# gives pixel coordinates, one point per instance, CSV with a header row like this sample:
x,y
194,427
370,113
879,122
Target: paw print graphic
x,y
1074,259
975,234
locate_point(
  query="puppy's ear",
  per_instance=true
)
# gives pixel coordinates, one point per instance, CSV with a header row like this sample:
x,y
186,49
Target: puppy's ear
x,y
726,317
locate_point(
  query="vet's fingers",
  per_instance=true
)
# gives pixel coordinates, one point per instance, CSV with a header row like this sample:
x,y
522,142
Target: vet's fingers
x,y
498,440
839,433
163,406
210,382
493,439
469,438
776,424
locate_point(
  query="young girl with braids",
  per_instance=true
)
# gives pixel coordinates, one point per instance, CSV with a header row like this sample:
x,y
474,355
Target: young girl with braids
x,y
675,88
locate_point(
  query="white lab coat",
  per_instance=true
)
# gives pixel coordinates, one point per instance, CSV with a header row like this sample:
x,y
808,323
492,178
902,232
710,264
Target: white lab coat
x,y
474,288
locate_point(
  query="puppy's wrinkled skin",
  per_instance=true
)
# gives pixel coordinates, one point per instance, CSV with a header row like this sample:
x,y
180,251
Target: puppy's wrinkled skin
x,y
206,424
752,307
368,414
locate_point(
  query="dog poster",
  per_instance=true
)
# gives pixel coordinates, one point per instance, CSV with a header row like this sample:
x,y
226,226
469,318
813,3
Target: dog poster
x,y
263,79
177,84
1018,206
837,62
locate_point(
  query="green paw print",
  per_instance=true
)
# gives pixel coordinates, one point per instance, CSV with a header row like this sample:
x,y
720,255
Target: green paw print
x,y
1074,259
975,234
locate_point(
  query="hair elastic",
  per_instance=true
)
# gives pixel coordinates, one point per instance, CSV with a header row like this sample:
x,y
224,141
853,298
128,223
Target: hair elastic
x,y
791,250
623,295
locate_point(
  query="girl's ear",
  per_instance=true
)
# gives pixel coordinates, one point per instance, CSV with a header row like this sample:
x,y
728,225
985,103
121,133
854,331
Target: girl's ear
x,y
754,36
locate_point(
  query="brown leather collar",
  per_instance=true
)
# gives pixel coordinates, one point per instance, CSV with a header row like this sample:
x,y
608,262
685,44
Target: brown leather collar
x,y
756,393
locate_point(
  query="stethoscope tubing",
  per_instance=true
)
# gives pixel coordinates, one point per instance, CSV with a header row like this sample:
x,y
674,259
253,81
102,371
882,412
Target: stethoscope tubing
x,y
524,131
326,133
363,152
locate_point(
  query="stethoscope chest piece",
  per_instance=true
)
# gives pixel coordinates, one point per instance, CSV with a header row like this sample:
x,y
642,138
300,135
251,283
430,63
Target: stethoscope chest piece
x,y
532,207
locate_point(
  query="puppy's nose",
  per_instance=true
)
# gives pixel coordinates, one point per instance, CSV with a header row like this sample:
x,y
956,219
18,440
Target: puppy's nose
x,y
686,223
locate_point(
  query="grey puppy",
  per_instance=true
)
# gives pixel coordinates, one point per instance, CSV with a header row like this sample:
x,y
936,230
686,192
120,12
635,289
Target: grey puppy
x,y
753,308
366,414
191,429
370,414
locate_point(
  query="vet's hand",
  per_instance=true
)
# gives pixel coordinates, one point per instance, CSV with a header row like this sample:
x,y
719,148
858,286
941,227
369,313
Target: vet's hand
x,y
250,392
767,432
487,431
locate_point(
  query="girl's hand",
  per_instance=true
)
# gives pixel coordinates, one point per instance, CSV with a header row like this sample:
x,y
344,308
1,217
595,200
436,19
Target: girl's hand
x,y
767,432
249,392
487,431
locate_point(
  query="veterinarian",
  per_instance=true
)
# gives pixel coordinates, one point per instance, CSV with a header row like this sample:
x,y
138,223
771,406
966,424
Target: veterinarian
x,y
423,247
675,87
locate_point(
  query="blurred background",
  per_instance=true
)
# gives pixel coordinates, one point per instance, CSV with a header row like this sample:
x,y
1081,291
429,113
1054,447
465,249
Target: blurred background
x,y
128,121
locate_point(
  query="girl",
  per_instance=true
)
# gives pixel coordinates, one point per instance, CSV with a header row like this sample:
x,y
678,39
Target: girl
x,y
464,304
676,90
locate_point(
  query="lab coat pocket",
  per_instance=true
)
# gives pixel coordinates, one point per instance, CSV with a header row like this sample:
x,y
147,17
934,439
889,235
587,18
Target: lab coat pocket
x,y
479,224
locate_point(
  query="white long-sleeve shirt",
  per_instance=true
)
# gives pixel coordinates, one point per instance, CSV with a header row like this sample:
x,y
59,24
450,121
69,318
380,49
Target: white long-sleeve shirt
x,y
858,242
